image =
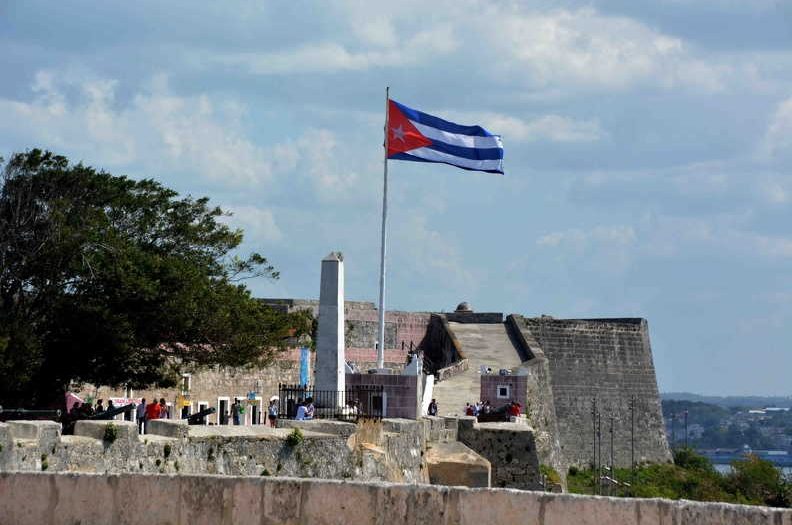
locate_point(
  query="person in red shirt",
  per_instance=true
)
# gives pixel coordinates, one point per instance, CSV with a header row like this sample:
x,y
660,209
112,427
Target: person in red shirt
x,y
152,411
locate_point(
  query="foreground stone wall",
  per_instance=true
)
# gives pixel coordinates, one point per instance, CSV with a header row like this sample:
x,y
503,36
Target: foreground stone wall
x,y
46,499
387,450
609,360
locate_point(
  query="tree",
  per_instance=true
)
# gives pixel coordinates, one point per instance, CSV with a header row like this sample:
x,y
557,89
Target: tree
x,y
759,481
108,280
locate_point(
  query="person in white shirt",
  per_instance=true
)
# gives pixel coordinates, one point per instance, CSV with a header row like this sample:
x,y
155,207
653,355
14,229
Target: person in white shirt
x,y
300,412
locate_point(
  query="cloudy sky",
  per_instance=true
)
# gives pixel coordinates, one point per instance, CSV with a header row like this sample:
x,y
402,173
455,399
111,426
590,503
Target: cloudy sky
x,y
648,150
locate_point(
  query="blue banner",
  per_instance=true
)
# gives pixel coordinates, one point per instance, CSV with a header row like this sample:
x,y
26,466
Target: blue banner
x,y
305,362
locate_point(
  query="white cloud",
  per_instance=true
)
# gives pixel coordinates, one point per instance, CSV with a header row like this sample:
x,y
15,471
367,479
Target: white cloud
x,y
154,128
587,49
258,223
332,56
777,142
548,127
579,239
427,252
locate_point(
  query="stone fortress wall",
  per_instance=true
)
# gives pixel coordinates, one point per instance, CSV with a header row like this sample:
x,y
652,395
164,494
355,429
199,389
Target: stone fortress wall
x,y
567,363
401,330
610,361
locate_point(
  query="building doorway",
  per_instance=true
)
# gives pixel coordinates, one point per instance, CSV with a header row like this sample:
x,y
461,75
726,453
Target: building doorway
x,y
222,410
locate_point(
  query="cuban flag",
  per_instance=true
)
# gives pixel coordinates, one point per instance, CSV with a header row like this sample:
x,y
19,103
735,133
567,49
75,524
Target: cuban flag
x,y
417,136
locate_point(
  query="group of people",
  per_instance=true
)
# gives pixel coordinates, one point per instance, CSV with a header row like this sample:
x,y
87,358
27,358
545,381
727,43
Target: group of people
x,y
87,409
512,409
305,409
478,408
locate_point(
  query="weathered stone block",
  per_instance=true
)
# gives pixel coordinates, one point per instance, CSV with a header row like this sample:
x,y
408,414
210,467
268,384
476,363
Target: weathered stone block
x,y
324,426
126,431
46,433
455,464
173,428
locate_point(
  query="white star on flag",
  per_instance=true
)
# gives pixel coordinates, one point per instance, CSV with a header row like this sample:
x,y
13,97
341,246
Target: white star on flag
x,y
398,133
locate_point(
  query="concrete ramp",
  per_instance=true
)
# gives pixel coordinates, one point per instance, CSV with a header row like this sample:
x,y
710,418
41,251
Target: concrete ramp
x,y
482,345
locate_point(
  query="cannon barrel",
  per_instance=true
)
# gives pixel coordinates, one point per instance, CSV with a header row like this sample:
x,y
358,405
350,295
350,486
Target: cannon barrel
x,y
11,414
113,412
198,417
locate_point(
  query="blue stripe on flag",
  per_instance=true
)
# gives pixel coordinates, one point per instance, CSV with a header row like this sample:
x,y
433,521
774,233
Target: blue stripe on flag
x,y
468,153
435,122
406,156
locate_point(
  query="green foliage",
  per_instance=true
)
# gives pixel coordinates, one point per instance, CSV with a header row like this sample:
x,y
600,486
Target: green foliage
x,y
754,481
109,280
550,474
295,438
166,450
759,482
265,472
110,433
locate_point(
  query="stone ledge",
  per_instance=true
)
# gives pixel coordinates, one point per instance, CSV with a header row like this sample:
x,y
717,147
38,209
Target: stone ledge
x,y
172,428
45,433
127,430
324,426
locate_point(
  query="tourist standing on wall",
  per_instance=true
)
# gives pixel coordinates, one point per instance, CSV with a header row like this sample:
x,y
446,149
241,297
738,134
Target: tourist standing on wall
x,y
272,413
163,409
235,411
152,411
140,413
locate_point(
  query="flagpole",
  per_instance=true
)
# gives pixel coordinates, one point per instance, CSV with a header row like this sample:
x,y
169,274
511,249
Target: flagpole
x,y
381,331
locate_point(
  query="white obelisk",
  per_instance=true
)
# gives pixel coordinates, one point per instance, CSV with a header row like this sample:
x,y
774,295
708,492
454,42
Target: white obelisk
x,y
330,364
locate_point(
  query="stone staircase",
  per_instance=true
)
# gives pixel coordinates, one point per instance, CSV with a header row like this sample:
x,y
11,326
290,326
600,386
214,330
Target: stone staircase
x,y
483,345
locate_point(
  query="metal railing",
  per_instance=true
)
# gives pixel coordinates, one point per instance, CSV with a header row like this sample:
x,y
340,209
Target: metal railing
x,y
355,402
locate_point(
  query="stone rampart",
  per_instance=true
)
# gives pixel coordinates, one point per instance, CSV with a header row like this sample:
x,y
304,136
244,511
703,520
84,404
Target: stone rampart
x,y
608,361
48,499
539,407
509,447
328,449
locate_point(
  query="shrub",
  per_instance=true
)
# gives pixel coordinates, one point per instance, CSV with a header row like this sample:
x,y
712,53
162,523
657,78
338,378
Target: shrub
x,y
167,450
295,438
110,433
551,475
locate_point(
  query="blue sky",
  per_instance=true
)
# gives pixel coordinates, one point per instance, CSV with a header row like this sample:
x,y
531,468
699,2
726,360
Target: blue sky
x,y
648,162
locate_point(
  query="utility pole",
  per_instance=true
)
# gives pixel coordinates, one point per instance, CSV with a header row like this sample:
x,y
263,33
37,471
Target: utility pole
x,y
632,444
686,431
599,450
673,430
594,435
612,471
